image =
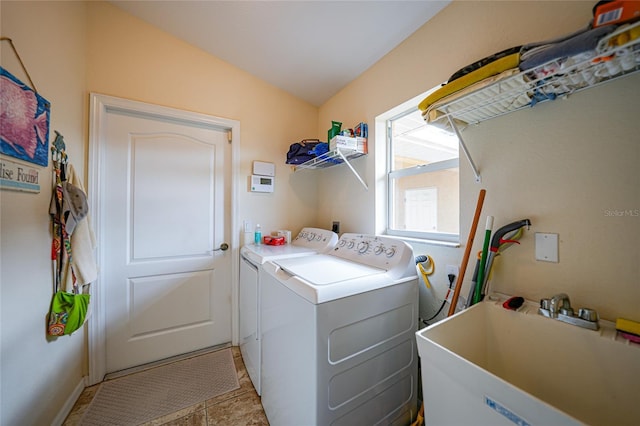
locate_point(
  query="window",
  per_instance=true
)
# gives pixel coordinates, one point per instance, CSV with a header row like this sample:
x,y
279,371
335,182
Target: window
x,y
423,199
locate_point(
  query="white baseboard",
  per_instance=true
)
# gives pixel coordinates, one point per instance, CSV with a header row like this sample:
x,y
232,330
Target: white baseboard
x,y
69,403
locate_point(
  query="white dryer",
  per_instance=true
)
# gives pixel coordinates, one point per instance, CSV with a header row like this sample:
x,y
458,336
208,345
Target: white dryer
x,y
338,335
308,242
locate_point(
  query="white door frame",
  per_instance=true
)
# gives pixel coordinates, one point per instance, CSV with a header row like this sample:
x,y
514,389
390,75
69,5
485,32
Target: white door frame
x,y
99,106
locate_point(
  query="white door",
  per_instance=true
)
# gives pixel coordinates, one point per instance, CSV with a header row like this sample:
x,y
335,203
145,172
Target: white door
x,y
165,210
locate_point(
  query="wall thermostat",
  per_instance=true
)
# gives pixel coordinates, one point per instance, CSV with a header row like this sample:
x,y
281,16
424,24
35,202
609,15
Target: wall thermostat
x,y
264,169
262,183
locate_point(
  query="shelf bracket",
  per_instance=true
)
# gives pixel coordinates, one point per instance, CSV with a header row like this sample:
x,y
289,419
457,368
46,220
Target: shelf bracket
x,y
464,148
352,169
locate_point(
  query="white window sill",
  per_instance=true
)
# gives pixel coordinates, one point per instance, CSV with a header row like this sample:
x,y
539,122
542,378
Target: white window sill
x,y
432,242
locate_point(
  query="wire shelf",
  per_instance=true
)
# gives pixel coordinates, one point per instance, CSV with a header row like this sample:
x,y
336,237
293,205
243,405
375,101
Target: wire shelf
x,y
555,79
334,158
329,159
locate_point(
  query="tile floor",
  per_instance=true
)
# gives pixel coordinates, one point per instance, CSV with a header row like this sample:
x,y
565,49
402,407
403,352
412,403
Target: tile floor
x,y
239,407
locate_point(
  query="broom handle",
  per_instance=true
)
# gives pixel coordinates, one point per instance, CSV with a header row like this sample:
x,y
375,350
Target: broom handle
x,y
467,252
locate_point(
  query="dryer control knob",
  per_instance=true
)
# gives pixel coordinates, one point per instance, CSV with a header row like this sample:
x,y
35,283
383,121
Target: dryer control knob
x,y
379,250
390,252
351,244
363,247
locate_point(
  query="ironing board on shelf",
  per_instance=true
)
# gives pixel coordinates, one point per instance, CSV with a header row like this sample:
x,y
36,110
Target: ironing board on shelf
x,y
616,55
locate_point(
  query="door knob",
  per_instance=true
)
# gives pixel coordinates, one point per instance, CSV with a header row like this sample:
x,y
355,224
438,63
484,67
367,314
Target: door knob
x,y
223,247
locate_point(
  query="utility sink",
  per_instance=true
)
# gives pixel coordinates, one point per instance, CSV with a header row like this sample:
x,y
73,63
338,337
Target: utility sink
x,y
489,365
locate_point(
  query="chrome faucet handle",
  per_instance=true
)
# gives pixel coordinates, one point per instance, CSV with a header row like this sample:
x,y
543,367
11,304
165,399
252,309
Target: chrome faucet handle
x,y
588,314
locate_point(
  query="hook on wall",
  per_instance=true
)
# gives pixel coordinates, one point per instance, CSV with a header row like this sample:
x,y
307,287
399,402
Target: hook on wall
x,y
58,149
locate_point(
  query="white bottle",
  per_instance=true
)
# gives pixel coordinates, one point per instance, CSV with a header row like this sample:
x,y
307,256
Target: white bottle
x,y
257,235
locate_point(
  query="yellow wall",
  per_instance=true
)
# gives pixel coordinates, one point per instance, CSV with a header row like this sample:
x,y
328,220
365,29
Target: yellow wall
x,y
130,59
564,164
38,374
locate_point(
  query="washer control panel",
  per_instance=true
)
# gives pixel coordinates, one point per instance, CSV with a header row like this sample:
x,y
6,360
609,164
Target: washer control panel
x,y
320,239
377,251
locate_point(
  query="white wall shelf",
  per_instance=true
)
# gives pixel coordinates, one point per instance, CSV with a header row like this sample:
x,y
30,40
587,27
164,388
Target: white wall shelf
x,y
333,158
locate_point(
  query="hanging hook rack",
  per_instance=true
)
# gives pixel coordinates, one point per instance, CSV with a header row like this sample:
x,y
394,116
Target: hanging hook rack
x,y
58,149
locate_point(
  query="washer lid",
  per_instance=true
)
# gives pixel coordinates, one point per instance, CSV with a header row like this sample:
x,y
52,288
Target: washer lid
x,y
262,253
324,269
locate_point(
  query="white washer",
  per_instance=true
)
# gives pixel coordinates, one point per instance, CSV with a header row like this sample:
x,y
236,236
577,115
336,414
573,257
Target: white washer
x,y
338,335
308,242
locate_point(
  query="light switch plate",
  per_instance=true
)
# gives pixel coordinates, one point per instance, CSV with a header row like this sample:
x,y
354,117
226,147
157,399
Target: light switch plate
x,y
547,247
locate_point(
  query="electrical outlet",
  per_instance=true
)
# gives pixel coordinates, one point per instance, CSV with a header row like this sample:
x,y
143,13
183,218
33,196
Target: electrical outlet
x,y
452,270
247,226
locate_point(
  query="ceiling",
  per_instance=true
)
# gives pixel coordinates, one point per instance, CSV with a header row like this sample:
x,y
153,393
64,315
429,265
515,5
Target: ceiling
x,y
311,49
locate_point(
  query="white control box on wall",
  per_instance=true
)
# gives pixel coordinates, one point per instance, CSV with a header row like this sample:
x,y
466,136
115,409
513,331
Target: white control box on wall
x,y
262,179
262,183
264,169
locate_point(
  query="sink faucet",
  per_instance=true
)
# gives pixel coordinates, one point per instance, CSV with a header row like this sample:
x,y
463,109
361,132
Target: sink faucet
x,y
559,307
559,303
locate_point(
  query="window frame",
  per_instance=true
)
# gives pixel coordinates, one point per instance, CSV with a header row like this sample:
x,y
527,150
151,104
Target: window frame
x,y
391,175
